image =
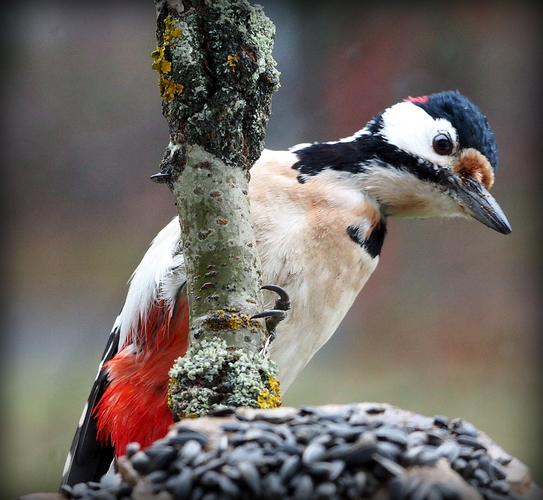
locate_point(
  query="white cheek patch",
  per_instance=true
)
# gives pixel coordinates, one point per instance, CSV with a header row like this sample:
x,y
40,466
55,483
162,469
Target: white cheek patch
x,y
411,129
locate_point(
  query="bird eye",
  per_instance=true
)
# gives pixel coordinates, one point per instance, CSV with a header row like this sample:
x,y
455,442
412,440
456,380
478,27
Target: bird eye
x,y
442,144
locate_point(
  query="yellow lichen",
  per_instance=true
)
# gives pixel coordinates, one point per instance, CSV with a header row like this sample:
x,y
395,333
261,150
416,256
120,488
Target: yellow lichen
x,y
221,319
171,32
232,62
270,398
169,89
160,64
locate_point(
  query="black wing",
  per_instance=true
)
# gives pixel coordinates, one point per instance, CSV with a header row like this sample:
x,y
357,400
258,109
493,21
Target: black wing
x,y
89,460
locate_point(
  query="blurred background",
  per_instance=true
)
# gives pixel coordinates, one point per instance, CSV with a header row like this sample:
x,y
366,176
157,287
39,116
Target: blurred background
x,y
448,323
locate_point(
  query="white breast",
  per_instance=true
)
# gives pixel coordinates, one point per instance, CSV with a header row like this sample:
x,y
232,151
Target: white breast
x,y
304,247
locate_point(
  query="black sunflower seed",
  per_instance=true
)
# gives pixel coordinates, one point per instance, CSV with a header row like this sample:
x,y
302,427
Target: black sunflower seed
x,y
361,483
141,462
497,470
180,485
352,454
234,426
223,411
327,470
375,410
208,465
471,442
500,486
110,482
470,468
303,487
289,467
481,476
190,450
390,466
462,427
160,456
131,449
79,490
325,491
448,492
250,475
313,453
436,438
182,437
397,488
273,485
393,434
158,476
450,450
417,438
388,450
441,421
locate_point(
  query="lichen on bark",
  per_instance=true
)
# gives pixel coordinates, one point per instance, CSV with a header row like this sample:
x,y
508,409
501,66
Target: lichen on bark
x,y
222,58
211,377
216,78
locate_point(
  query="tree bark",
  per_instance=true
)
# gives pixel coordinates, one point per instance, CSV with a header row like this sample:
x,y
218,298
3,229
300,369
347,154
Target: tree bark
x,y
216,79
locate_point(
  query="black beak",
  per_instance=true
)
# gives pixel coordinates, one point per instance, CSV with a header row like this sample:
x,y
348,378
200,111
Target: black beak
x,y
478,203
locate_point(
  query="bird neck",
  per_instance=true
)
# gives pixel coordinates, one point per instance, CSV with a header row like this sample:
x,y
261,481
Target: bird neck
x,y
402,184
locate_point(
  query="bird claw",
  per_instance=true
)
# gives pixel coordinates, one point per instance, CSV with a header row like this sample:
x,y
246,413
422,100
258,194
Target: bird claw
x,y
271,313
276,315
161,178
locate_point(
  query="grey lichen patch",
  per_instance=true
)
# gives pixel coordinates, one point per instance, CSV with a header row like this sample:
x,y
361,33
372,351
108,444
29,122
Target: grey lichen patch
x,y
213,376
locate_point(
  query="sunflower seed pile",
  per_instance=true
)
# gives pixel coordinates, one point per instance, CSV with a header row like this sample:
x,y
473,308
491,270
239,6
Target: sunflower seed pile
x,y
313,453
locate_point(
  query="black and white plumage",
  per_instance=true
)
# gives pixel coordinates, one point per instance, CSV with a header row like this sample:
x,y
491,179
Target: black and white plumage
x,y
319,214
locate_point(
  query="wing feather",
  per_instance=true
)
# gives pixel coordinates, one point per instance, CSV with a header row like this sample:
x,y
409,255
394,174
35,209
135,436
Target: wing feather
x,y
88,459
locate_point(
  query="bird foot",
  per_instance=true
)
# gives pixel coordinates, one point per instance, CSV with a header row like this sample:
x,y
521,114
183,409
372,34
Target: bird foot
x,y
276,315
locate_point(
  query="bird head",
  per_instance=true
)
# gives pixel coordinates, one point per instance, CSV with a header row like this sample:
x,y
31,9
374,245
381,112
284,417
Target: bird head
x,y
442,157
423,157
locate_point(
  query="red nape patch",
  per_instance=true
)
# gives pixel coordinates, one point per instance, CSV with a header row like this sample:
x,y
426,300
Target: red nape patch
x,y
421,99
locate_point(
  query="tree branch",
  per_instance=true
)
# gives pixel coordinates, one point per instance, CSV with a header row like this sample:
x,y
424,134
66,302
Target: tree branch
x,y
216,78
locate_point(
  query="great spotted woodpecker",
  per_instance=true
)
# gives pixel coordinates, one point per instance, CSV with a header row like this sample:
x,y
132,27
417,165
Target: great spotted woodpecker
x,y
319,214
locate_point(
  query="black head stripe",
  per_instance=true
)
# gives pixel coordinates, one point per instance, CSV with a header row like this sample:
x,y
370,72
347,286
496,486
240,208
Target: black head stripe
x,y
468,120
317,157
372,243
376,123
355,157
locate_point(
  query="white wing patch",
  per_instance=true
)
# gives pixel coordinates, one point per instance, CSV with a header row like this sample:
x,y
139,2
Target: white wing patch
x,y
160,275
84,413
68,463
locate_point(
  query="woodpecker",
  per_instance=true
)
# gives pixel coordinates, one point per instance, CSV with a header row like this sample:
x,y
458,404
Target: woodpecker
x,y
319,213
